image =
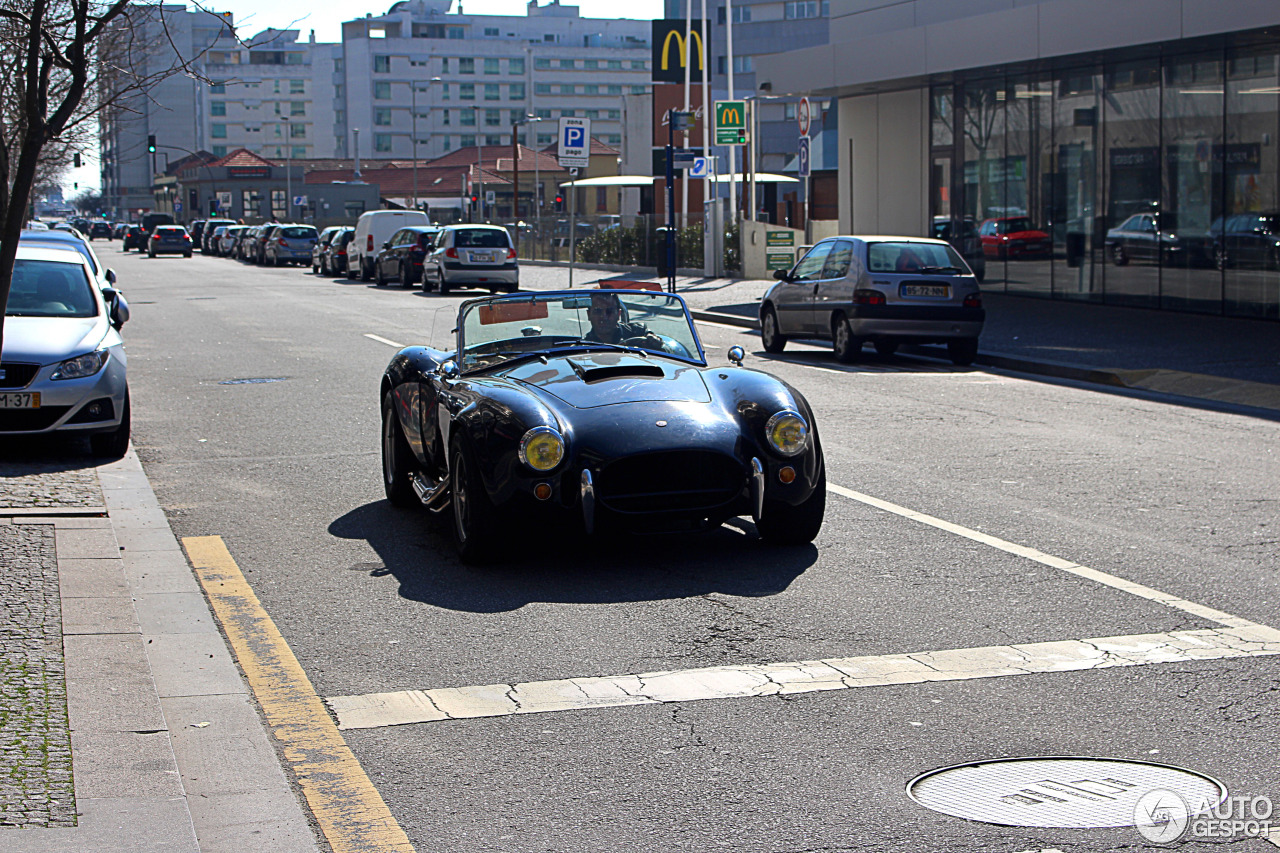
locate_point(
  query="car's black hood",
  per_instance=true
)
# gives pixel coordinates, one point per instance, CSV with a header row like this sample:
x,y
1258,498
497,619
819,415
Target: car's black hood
x,y
590,380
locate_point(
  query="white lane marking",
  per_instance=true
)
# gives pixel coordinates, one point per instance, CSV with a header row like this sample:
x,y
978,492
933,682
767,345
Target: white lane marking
x,y
728,326
384,341
1207,613
728,682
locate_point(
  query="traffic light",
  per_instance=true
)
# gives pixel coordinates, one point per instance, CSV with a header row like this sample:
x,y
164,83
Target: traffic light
x,y
559,203
151,144
75,160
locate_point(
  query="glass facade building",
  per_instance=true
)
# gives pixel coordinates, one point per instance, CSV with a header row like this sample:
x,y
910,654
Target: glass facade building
x,y
1148,181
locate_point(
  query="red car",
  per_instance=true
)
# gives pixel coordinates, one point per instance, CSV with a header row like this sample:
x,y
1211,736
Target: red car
x,y
1014,237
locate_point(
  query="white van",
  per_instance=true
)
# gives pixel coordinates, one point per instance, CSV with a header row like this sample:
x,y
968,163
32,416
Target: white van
x,y
374,228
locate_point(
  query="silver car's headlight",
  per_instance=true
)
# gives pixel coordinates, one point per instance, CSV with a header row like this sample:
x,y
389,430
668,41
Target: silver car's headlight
x,y
81,366
787,432
542,448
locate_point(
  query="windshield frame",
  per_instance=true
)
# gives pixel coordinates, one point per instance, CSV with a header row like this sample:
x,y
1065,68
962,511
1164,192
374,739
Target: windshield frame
x,y
698,359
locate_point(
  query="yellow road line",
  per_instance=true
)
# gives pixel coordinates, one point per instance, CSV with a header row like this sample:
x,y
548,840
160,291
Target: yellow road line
x,y
349,810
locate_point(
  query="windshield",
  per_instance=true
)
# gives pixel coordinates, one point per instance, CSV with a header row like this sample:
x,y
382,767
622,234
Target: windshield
x,y
914,257
492,331
1013,226
50,289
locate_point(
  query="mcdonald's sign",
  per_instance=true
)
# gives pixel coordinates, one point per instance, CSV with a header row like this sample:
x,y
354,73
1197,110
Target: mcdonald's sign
x,y
670,51
731,123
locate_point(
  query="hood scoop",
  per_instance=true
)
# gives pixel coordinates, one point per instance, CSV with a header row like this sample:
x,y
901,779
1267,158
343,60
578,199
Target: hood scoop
x,y
625,370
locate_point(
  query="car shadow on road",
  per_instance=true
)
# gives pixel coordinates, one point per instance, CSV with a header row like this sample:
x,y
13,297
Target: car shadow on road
x,y
561,565
27,455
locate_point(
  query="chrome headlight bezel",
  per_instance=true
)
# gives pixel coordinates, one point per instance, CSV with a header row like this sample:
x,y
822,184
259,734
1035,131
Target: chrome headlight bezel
x,y
82,366
770,433
535,434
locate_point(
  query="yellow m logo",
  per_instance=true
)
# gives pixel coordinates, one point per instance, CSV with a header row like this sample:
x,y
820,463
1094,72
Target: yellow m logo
x,y
680,47
731,118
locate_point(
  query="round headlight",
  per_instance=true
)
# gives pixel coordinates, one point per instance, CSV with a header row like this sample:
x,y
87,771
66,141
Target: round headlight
x,y
542,448
787,432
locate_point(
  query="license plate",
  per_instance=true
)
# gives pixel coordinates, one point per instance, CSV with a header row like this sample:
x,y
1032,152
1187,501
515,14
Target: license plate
x,y
482,257
20,400
926,290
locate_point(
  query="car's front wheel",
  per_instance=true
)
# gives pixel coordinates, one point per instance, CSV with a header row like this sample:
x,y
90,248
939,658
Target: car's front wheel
x,y
847,345
397,458
474,515
784,524
1118,255
770,335
378,278
114,444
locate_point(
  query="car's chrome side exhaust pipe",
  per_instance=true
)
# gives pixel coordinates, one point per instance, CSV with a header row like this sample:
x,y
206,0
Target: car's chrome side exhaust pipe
x,y
432,495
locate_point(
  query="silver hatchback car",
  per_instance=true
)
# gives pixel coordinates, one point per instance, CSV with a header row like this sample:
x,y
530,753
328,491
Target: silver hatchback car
x,y
63,366
472,256
885,291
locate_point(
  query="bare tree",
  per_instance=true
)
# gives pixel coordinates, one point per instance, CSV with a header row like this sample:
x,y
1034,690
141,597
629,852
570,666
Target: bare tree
x,y
62,63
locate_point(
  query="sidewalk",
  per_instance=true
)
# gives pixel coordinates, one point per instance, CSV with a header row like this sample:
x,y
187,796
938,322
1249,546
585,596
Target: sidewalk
x,y
124,722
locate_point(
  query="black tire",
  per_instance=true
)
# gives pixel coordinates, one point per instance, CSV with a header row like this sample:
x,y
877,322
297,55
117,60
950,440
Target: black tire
x,y
426,284
475,519
1118,255
377,275
1220,259
366,273
784,524
114,444
405,281
774,341
397,458
962,351
186,254
886,349
151,253
443,284
846,345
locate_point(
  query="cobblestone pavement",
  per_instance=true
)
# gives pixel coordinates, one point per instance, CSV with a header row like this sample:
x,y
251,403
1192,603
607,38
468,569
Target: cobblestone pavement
x,y
35,743
30,485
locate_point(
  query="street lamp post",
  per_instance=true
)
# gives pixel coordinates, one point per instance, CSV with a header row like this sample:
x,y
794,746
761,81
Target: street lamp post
x,y
288,170
479,164
355,131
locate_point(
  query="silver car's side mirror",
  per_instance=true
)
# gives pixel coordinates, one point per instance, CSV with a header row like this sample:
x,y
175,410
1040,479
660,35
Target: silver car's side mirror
x,y
736,354
448,370
111,276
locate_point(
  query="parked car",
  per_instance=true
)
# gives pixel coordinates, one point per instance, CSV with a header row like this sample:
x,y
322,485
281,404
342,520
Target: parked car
x,y
169,240
118,230
402,256
225,238
1154,237
322,240
100,228
65,366
206,236
534,416
471,255
1247,240
246,244
962,234
134,238
288,244
1014,238
373,228
68,240
883,290
258,248
196,230
333,261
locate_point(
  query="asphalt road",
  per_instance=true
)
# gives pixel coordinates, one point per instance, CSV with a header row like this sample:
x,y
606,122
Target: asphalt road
x,y
371,599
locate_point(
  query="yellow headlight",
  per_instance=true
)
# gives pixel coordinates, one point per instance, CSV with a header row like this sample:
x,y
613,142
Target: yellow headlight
x,y
542,448
787,432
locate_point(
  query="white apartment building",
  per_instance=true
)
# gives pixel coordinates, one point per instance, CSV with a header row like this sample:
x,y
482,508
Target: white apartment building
x,y
455,80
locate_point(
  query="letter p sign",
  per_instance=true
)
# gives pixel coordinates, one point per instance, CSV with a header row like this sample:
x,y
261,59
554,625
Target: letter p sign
x,y
573,137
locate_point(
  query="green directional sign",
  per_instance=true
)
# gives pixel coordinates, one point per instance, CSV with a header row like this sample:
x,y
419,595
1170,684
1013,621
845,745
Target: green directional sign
x,y
731,122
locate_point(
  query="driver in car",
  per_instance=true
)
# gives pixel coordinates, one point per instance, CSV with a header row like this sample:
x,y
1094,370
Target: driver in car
x,y
608,327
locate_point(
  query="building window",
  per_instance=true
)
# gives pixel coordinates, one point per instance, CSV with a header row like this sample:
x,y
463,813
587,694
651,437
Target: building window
x,y
541,63
466,65
297,108
444,91
337,65
614,65
250,202
467,118
614,90
467,141
615,139
592,63
457,33
592,114
490,31
566,88
493,139
491,92
516,91
217,108
447,146
382,91
382,142
515,116
639,90
515,66
444,65
546,138
297,130
602,199
493,118
796,9
544,113
218,131
569,113
382,65
279,205
466,91
299,151
590,89
542,88
566,63
217,88
219,151
382,117
614,115
444,117
353,209
492,66
297,87
637,65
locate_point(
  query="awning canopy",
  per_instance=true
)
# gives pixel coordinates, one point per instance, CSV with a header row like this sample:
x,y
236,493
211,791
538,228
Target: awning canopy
x,y
761,178
647,180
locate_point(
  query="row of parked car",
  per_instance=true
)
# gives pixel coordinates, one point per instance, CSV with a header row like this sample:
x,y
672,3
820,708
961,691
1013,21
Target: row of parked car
x,y
384,246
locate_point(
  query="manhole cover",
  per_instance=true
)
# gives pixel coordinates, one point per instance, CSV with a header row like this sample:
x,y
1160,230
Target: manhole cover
x,y
1067,792
257,381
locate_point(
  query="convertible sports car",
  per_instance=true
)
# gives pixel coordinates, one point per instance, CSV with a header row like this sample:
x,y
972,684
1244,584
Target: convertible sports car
x,y
535,417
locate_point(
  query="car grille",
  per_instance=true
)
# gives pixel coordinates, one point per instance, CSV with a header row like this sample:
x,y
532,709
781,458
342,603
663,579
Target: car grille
x,y
670,481
29,420
17,374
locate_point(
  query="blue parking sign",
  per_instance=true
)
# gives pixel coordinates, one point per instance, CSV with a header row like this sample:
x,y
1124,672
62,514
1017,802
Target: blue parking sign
x,y
573,137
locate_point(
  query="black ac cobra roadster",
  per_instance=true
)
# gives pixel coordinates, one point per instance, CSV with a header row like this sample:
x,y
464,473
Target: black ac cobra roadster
x,y
538,414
